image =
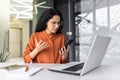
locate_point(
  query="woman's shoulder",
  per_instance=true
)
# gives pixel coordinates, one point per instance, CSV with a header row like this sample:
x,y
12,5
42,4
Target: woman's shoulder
x,y
35,34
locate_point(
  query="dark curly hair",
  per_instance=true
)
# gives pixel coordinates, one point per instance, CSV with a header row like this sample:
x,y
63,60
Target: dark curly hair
x,y
45,17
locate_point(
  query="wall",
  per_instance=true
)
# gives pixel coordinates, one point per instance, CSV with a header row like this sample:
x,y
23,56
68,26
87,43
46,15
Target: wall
x,y
4,22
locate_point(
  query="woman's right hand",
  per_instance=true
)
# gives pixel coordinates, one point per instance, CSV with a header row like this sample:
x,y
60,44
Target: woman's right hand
x,y
39,47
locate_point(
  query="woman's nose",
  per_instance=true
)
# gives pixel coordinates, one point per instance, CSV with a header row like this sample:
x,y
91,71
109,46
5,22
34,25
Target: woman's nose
x,y
57,25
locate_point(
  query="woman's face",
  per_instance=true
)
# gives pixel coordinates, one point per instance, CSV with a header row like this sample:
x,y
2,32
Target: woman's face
x,y
53,25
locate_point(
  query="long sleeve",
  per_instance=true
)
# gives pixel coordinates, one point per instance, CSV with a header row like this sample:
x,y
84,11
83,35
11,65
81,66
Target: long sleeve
x,y
30,46
50,54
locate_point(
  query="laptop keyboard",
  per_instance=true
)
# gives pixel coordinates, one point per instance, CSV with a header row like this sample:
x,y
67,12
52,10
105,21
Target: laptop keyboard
x,y
75,67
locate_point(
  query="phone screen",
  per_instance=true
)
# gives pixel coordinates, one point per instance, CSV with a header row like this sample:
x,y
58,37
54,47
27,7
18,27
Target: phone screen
x,y
69,42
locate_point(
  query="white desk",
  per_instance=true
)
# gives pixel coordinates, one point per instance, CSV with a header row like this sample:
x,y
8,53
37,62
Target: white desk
x,y
105,72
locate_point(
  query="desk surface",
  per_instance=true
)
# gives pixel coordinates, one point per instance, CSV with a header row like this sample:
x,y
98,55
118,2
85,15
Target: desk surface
x,y
104,72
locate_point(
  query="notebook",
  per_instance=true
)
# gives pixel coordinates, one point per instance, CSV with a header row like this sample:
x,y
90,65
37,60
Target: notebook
x,y
93,60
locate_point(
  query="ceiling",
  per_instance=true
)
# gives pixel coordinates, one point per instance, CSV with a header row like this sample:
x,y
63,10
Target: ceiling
x,y
23,9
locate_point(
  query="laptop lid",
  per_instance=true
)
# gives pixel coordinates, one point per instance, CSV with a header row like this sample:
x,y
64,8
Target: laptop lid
x,y
93,60
96,53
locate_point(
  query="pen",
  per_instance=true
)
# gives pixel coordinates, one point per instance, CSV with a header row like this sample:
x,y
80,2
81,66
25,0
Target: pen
x,y
26,68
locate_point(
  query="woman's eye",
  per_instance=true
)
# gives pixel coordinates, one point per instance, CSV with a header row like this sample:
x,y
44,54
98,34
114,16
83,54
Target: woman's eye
x,y
54,22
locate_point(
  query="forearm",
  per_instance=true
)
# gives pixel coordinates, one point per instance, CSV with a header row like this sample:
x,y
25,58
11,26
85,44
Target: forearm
x,y
33,53
29,56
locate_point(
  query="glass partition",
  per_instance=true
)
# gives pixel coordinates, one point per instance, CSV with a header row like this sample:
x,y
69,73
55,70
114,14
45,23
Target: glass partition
x,y
99,17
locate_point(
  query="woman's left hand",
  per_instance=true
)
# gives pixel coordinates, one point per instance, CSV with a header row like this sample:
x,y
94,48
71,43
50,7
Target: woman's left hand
x,y
64,52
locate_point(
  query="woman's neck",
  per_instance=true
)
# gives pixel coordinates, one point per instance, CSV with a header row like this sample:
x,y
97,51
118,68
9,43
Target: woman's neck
x,y
49,33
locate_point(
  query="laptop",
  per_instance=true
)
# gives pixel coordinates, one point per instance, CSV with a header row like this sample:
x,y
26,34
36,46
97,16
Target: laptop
x,y
95,56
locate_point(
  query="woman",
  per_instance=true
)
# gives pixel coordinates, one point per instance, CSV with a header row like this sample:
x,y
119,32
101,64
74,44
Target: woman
x,y
46,45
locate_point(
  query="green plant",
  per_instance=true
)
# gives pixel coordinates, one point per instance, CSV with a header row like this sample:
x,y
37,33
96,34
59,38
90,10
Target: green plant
x,y
5,53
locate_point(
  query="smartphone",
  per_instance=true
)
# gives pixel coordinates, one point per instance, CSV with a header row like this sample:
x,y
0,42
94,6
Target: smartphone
x,y
69,42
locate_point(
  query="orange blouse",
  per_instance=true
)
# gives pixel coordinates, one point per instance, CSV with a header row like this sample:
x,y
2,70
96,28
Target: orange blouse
x,y
50,54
